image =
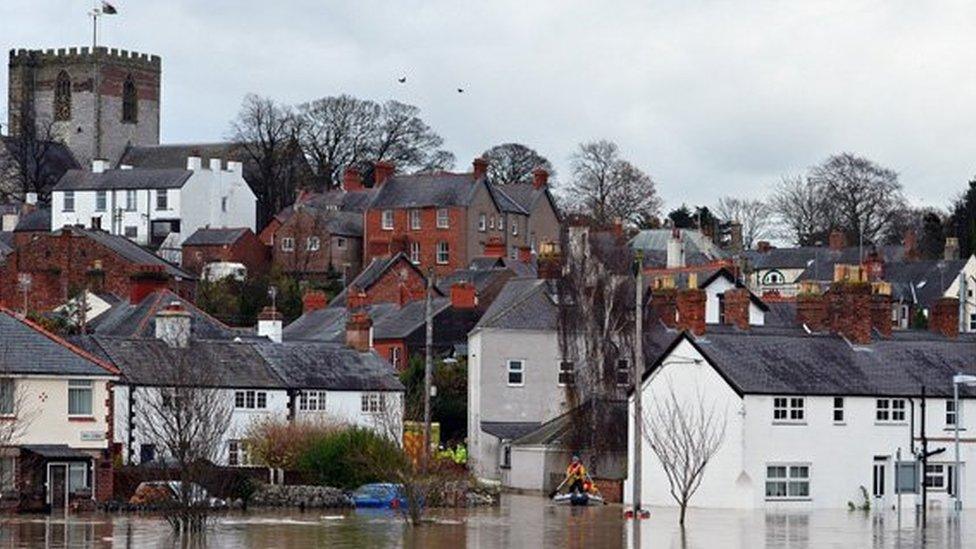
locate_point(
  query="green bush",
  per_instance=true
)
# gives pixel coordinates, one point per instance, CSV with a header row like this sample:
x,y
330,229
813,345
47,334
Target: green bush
x,y
352,457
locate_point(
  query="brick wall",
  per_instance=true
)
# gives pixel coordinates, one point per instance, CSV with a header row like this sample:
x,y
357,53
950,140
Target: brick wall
x,y
811,309
944,317
737,308
881,314
385,347
691,310
248,250
664,306
849,310
399,284
380,242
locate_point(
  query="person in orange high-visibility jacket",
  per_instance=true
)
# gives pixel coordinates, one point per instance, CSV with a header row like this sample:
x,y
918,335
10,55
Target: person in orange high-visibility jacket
x,y
576,473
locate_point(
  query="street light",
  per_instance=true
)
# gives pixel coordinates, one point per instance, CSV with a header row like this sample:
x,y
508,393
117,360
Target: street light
x,y
957,380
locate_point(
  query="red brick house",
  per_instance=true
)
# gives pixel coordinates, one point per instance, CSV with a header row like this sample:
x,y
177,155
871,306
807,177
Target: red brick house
x,y
48,268
238,245
385,280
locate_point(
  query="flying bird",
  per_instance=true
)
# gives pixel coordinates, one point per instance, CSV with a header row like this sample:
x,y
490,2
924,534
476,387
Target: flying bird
x,y
402,79
460,90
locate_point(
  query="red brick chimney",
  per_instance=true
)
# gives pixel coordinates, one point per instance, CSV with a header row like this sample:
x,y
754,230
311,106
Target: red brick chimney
x,y
618,227
664,305
146,280
837,240
382,172
359,329
691,310
463,296
736,303
351,180
944,317
874,265
549,261
540,178
525,254
763,246
811,311
494,247
479,167
849,311
910,243
881,308
355,299
313,300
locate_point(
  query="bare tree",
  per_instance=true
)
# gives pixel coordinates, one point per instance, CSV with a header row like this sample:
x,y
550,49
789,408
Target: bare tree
x,y
513,163
684,434
754,216
336,132
861,195
267,133
404,139
608,187
27,165
17,411
801,207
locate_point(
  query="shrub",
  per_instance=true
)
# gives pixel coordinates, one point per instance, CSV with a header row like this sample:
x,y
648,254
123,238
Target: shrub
x,y
280,443
351,457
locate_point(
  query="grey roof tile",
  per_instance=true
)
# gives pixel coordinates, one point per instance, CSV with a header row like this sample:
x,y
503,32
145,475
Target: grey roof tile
x,y
129,250
124,319
423,190
316,365
329,324
215,237
142,178
509,430
28,349
37,221
523,304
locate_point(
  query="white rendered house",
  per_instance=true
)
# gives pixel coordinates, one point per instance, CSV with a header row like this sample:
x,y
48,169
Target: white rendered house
x,y
146,205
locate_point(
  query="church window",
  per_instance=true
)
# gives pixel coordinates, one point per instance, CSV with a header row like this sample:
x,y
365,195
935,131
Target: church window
x,y
62,97
130,103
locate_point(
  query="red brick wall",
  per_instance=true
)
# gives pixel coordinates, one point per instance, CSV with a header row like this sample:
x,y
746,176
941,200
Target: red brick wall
x,y
248,250
691,310
380,242
104,479
301,226
849,310
737,308
881,314
811,309
399,284
664,306
385,349
944,317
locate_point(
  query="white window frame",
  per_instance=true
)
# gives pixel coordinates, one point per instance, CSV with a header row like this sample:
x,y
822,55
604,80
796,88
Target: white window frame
x,y
789,409
8,400
68,202
237,454
491,223
312,244
890,411
482,223
838,411
941,472
101,201
789,481
501,222
520,370
250,399
415,252
443,253
312,401
162,200
623,366
372,403
287,244
131,200
82,385
566,373
386,221
951,414
415,222
443,218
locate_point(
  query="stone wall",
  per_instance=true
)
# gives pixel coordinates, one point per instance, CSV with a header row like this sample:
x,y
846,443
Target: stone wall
x,y
298,496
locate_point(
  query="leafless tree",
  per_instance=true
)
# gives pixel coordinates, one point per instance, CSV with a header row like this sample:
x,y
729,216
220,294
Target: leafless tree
x,y
754,216
16,408
337,132
404,139
608,188
27,164
267,133
513,163
684,434
802,210
187,417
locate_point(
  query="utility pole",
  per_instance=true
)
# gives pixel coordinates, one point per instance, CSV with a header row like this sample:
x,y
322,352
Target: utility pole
x,y
925,460
637,374
428,366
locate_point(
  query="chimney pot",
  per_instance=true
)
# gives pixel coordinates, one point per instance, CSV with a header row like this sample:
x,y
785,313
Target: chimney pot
x,y
359,331
540,178
173,325
215,165
99,165
463,296
382,172
494,247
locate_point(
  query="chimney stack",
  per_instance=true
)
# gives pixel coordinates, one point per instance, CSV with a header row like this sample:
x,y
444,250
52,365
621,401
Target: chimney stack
x,y
874,266
148,279
525,254
269,324
314,300
173,325
216,165
549,262
540,178
735,237
676,250
881,308
382,172
355,299
736,301
811,308
944,317
479,167
664,301
951,251
837,240
463,296
763,246
351,180
99,165
359,331
194,163
849,310
691,310
494,247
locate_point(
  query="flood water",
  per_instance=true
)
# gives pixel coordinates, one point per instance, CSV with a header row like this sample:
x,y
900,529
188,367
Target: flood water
x,y
520,521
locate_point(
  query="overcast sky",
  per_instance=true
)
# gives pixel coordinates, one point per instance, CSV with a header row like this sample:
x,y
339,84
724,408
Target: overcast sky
x,y
710,98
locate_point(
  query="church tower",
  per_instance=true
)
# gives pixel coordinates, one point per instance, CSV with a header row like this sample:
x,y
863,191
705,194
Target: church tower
x,y
95,101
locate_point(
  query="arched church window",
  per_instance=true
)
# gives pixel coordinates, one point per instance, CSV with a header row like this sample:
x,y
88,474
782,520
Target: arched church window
x,y
62,97
130,101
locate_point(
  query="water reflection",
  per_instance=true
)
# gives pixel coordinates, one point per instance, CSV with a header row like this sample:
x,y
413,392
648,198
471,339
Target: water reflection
x,y
520,521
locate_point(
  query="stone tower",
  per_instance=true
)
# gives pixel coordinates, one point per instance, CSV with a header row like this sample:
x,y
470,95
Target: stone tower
x,y
95,101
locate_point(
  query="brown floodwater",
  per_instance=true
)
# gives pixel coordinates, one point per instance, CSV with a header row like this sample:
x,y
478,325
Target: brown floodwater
x,y
520,521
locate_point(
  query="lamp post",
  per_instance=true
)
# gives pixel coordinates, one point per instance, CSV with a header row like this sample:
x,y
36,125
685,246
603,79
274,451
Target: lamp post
x,y
957,380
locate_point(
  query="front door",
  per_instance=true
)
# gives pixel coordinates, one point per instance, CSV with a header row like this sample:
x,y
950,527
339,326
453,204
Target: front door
x,y
880,480
57,486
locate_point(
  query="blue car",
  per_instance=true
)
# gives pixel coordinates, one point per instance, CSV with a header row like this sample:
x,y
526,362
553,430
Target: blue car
x,y
381,495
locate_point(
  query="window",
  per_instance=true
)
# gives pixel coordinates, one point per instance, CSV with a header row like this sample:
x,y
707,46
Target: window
x,y
8,474
7,393
972,322
516,372
890,410
62,97
69,201
482,224
506,456
340,243
787,481
939,476
79,397
147,453
566,374
131,232
414,220
492,222
387,220
223,204
287,244
415,253
101,198
623,372
515,227
312,244
501,223
442,218
237,454
838,409
773,277
251,400
372,403
162,199
788,409
130,200
721,308
395,357
311,401
77,477
443,253
130,101
950,413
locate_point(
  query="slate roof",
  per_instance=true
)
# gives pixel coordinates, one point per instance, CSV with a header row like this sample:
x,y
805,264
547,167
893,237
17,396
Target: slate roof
x,y
654,242
504,201
124,319
405,320
781,313
37,221
338,199
150,361
509,430
792,362
480,278
377,267
215,237
559,431
6,244
922,282
175,155
523,194
429,189
129,250
142,178
316,365
26,348
329,324
523,304
819,260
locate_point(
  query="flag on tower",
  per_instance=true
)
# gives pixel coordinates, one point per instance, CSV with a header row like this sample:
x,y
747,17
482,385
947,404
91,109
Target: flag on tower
x,y
108,9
